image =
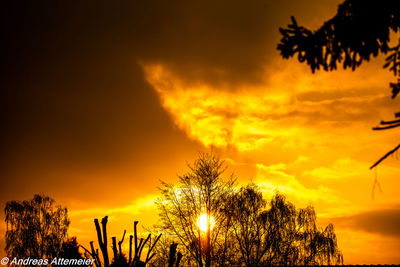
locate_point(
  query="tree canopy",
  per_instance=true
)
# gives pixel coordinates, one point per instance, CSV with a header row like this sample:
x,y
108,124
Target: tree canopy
x,y
276,233
242,228
201,191
360,30
36,228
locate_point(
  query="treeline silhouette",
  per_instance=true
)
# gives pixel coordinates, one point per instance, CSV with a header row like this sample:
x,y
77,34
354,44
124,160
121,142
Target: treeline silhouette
x,y
205,220
243,229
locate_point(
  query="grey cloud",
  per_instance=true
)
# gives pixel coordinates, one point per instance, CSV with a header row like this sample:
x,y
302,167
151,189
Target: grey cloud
x,y
383,222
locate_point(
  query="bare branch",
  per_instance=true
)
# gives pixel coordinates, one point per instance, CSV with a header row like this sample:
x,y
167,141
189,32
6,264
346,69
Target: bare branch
x,y
385,156
386,127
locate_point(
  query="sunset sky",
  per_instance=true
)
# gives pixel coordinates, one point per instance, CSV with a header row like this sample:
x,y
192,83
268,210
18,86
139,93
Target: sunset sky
x,y
100,100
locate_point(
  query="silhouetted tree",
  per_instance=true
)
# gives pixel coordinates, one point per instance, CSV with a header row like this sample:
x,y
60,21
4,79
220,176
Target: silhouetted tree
x,y
359,30
200,191
174,258
245,210
247,231
120,258
70,250
169,252
36,228
280,235
120,261
162,252
294,237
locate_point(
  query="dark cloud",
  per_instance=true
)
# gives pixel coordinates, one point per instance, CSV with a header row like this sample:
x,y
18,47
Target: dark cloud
x,y
223,42
71,87
74,99
383,222
73,94
217,42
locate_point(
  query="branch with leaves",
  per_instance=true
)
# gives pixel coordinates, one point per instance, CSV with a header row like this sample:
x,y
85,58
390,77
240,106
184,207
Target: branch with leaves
x,y
360,30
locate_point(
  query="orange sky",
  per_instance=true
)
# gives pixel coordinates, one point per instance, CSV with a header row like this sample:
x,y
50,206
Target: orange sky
x,y
100,102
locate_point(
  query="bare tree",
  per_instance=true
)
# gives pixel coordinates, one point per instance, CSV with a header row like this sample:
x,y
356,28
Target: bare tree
x,y
120,258
245,210
168,254
242,227
280,235
200,192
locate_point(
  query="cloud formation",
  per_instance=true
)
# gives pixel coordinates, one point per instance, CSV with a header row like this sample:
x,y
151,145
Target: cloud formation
x,y
382,221
100,100
278,112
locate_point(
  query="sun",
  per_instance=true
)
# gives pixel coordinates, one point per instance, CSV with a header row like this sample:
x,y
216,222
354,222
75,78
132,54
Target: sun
x,y
202,222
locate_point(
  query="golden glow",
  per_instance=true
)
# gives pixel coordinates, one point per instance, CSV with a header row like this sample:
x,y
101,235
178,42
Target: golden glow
x,y
289,125
220,118
280,126
204,220
283,112
305,135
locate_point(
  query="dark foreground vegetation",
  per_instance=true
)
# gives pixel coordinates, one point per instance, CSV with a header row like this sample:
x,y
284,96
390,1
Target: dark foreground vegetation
x,y
243,229
205,220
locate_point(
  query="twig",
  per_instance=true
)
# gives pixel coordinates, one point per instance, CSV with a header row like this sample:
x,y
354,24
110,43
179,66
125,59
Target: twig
x,y
386,127
385,156
390,122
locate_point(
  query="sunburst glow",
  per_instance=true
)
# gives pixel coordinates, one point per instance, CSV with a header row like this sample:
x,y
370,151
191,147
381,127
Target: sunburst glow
x,y
203,221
